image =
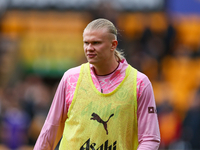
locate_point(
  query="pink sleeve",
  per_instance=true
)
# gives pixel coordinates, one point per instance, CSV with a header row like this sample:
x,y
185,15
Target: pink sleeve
x,y
53,127
148,127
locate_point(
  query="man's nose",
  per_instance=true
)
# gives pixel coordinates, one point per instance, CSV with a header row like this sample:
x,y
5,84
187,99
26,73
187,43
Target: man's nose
x,y
90,47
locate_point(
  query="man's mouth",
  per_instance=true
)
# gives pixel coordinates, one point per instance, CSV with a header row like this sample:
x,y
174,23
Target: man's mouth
x,y
91,55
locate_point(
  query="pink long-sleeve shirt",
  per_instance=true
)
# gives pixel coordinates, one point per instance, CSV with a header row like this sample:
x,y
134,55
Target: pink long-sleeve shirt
x,y
148,128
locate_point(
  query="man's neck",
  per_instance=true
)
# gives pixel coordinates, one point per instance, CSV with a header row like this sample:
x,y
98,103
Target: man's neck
x,y
105,69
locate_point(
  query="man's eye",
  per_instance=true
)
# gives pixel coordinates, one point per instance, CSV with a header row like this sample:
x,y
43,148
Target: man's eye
x,y
86,43
96,42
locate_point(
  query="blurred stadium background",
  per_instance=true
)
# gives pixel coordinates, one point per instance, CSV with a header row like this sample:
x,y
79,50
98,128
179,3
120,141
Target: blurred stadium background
x,y
41,39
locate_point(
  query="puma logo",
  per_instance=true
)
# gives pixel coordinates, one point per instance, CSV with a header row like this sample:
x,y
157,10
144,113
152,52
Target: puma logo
x,y
97,118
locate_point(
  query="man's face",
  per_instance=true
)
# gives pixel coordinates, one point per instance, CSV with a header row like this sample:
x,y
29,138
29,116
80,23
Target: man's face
x,y
98,46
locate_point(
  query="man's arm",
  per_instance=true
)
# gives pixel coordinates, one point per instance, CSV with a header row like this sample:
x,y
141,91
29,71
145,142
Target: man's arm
x,y
148,127
53,127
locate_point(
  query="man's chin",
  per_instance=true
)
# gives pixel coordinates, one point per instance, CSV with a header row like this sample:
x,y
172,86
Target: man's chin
x,y
91,61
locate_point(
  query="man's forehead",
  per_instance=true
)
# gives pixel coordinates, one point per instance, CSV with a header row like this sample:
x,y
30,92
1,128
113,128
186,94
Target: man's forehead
x,y
92,38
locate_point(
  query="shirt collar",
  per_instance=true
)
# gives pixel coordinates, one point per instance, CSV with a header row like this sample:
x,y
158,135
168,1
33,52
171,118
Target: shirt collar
x,y
121,68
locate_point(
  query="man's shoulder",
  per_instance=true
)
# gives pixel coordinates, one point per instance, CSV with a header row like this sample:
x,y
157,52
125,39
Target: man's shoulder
x,y
72,71
141,75
142,78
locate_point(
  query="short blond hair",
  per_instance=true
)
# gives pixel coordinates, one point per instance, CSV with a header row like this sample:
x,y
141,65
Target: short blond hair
x,y
102,23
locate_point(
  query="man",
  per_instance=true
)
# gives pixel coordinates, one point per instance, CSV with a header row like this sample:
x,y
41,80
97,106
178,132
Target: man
x,y
103,104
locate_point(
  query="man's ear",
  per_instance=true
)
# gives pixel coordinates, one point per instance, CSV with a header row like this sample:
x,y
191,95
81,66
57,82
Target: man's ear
x,y
114,45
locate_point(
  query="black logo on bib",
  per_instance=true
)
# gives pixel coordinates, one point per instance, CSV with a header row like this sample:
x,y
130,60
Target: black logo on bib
x,y
97,118
93,146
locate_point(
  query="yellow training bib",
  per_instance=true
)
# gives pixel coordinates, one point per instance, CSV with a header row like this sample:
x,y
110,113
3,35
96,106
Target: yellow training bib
x,y
98,121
